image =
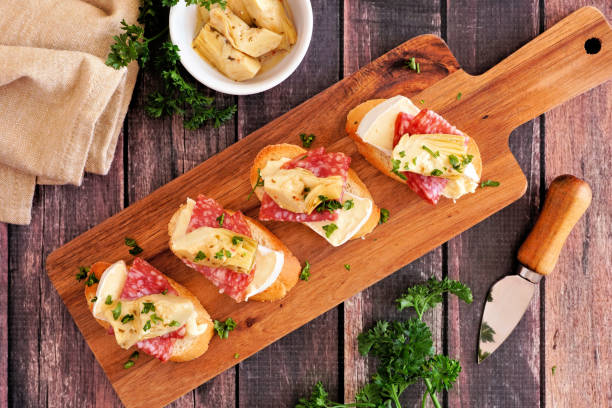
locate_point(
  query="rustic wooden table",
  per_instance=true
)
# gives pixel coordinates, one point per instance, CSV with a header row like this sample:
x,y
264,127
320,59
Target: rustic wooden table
x,y
559,355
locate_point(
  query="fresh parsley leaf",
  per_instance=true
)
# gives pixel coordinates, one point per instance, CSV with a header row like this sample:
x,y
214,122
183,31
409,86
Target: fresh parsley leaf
x,y
305,274
200,256
147,326
223,328
347,267
412,65
131,242
384,216
236,240
127,318
155,318
221,219
82,274
148,307
174,323
329,229
395,169
135,355
117,311
94,299
436,172
428,150
467,159
489,183
327,204
348,204
307,139
427,295
135,251
459,96
219,255
109,300
128,364
91,280
258,183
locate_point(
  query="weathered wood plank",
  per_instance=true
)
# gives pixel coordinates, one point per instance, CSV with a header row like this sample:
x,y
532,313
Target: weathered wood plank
x,y
278,375
480,37
577,301
159,151
50,364
371,29
4,300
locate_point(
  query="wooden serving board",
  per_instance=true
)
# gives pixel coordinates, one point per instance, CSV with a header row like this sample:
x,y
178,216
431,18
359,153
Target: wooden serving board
x,y
549,70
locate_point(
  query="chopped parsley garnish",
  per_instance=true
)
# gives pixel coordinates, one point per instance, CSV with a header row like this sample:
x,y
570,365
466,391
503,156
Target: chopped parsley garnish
x,y
329,229
327,204
165,292
91,279
258,183
156,318
236,356
413,65
128,364
459,96
82,274
219,255
94,299
117,311
131,242
454,161
236,240
220,219
348,204
489,183
127,318
384,216
307,139
395,169
147,326
414,161
200,256
347,267
305,274
148,307
402,153
223,328
428,150
109,300
174,323
467,159
422,101
436,172
135,355
228,254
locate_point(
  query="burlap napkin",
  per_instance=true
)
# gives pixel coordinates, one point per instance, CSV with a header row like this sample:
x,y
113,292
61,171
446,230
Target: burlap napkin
x,y
61,107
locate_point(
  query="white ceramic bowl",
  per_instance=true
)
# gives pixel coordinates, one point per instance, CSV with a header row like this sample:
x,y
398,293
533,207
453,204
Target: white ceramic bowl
x,y
183,22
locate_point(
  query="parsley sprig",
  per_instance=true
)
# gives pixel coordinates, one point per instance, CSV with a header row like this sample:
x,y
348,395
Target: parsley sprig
x,y
149,44
405,353
223,328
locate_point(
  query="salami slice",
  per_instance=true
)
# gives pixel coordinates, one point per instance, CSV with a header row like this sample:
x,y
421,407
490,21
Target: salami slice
x,y
142,280
207,213
429,188
322,164
161,347
428,122
402,124
270,211
319,163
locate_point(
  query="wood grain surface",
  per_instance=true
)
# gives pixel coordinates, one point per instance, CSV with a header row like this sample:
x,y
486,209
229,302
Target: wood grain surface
x,y
567,328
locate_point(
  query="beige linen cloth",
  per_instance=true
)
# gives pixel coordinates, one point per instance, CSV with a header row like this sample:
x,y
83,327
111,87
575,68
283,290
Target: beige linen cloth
x,y
61,107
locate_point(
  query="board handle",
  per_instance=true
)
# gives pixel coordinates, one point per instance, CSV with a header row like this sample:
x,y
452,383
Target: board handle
x,y
568,59
567,199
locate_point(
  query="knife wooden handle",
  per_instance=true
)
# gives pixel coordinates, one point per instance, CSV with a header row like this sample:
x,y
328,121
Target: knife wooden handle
x,y
567,199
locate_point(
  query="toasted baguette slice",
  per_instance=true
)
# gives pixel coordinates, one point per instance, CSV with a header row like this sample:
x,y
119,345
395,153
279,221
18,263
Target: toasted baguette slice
x,y
380,159
288,276
353,183
185,349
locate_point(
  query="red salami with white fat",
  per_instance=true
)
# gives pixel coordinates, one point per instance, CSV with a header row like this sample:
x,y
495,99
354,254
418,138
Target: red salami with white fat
x,y
426,121
142,280
319,163
208,213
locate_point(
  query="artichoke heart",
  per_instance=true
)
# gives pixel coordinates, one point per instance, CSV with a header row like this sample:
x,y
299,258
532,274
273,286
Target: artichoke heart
x,y
217,247
252,41
271,14
437,155
299,190
237,7
217,50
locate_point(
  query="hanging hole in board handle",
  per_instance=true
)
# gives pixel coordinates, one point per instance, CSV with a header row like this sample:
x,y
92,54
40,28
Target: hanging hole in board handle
x,y
592,45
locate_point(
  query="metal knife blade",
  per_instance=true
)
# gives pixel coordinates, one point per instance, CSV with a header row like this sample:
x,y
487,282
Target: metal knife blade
x,y
506,303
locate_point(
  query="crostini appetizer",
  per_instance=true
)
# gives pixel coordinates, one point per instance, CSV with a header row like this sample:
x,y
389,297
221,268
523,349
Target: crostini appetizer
x,y
144,308
237,254
417,147
316,188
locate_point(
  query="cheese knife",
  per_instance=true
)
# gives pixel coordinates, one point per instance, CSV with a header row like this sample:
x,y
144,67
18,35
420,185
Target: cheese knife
x,y
567,199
